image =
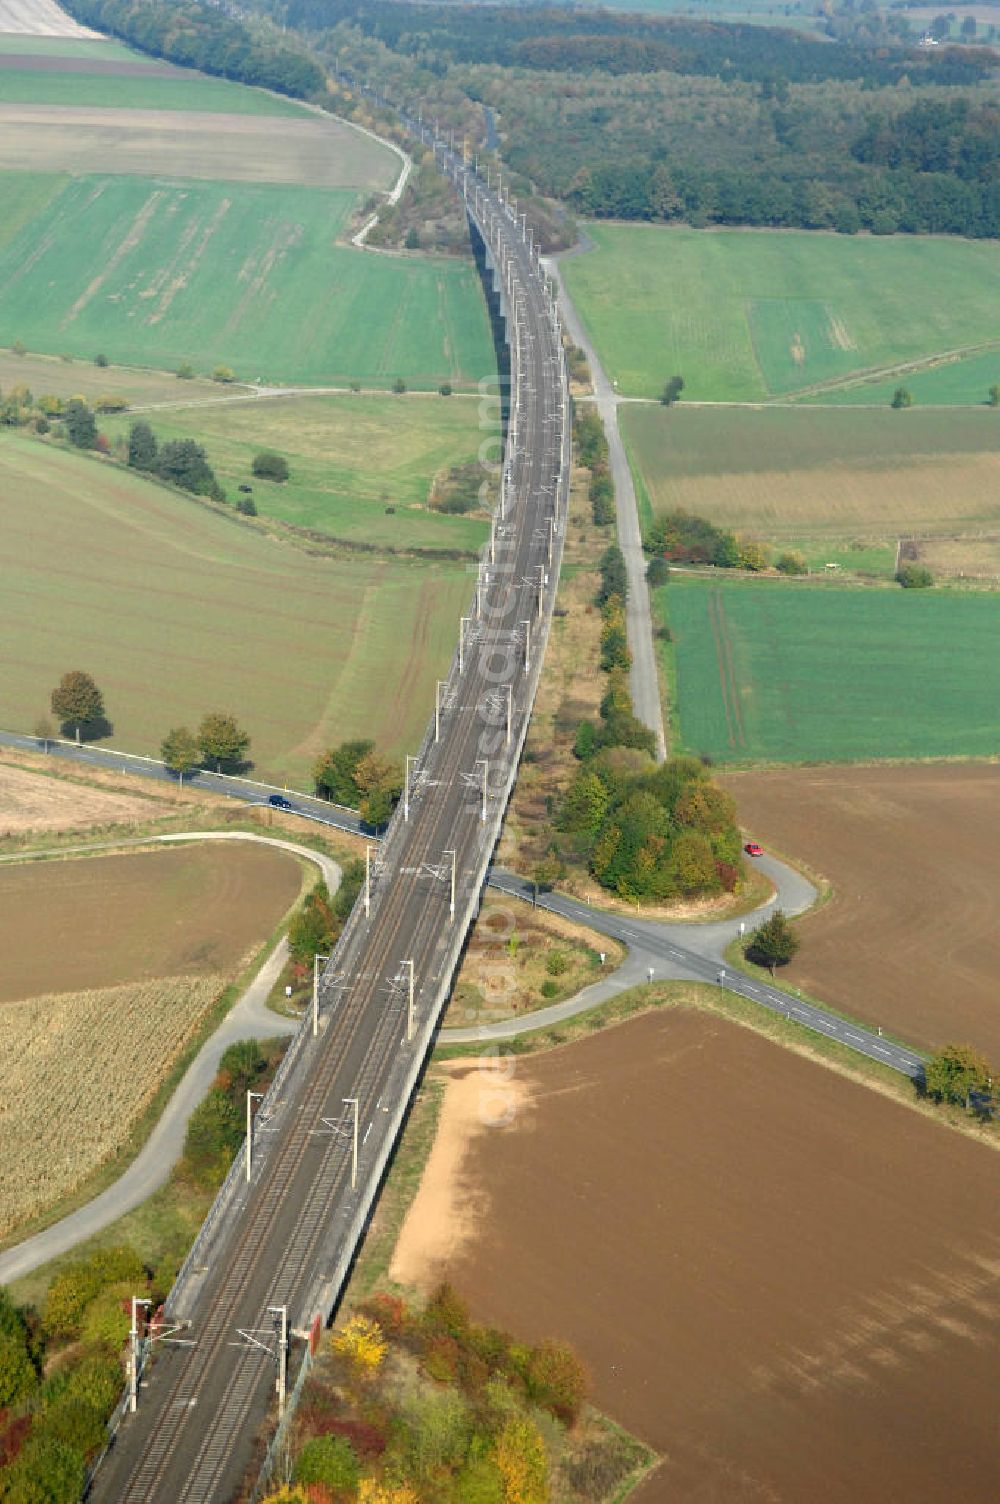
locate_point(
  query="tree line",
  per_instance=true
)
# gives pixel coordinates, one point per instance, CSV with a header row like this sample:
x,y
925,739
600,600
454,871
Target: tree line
x,y
201,36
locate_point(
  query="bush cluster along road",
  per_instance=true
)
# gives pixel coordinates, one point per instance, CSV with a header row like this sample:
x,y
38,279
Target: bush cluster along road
x,y
278,1246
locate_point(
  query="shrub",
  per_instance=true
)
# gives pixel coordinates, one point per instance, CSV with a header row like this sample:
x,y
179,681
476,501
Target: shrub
x,y
46,1472
549,988
445,389
96,1382
446,1311
556,1380
556,963
914,577
100,360
361,1342
791,562
440,1357
185,372
657,572
902,397
214,1133
17,1373
270,466
399,386
75,1286
225,374
106,1320
329,1460
74,1422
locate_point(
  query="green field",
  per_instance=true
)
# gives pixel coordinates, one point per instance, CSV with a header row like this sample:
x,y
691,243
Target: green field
x,y
176,609
135,92
157,272
947,383
744,315
795,14
840,484
351,458
778,672
14,43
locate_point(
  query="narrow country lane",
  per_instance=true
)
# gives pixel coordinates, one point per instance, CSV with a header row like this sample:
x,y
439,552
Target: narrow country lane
x,y
644,680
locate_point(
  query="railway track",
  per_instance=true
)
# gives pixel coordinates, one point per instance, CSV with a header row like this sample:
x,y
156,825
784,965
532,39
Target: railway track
x,y
285,1239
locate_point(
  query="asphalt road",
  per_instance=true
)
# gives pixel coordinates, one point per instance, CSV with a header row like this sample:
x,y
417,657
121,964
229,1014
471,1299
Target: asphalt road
x,y
695,953
284,1240
644,680
691,952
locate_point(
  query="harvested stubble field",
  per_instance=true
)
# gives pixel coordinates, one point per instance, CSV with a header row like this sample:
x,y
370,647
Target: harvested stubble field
x,y
91,922
783,1281
911,938
795,672
160,272
822,479
747,314
320,152
177,609
80,1071
114,962
362,467
30,801
23,22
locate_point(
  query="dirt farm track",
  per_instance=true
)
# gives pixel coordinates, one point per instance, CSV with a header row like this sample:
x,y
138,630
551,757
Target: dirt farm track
x,y
911,939
787,1283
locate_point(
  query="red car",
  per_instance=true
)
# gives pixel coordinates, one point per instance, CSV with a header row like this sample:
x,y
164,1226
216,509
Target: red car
x,y
752,849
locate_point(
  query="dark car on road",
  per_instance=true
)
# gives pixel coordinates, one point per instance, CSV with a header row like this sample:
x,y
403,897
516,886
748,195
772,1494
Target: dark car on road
x,y
278,801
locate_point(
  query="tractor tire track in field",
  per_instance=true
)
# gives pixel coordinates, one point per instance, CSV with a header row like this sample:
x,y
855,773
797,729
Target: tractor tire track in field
x,y
132,238
728,683
392,333
179,273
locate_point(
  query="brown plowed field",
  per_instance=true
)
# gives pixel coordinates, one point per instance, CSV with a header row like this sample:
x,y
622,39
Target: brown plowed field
x,y
911,938
787,1283
99,921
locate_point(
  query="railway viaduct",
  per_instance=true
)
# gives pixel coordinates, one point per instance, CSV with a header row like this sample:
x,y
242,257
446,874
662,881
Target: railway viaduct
x,y
270,1262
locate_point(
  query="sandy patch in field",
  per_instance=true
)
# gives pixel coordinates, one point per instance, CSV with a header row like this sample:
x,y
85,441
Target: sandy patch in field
x,y
786,1283
448,1213
192,144
41,18
32,801
911,938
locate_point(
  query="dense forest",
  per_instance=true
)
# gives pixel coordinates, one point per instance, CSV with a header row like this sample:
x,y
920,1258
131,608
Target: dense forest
x,y
668,119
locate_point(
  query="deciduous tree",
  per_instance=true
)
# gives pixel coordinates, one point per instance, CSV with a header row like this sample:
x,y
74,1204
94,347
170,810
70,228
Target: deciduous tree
x,y
143,450
80,424
77,701
519,1453
672,390
222,740
180,751
954,1071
